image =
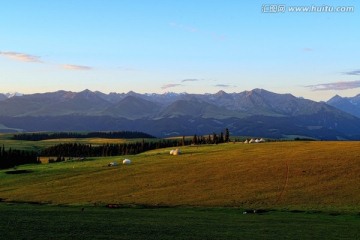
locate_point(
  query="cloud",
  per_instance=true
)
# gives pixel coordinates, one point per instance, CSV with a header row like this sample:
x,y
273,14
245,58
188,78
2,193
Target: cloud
x,y
308,49
170,85
334,86
75,67
191,80
23,57
355,72
224,85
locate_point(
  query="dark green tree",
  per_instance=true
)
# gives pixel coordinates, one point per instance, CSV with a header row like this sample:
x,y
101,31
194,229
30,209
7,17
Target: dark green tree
x,y
227,135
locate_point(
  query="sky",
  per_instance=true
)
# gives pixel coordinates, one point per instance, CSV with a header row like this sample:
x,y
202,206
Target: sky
x,y
202,46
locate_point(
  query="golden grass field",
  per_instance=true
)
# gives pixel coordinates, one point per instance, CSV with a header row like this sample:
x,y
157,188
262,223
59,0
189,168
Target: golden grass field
x,y
5,139
278,175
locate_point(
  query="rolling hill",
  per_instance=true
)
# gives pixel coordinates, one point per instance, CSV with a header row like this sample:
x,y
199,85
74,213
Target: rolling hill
x,y
282,175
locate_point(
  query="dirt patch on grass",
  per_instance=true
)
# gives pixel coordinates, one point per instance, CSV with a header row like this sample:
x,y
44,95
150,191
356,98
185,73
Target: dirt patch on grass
x,y
18,171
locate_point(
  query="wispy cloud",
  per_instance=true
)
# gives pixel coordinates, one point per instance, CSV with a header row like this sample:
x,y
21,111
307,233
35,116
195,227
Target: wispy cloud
x,y
191,80
23,57
308,49
170,85
335,86
224,85
76,67
355,72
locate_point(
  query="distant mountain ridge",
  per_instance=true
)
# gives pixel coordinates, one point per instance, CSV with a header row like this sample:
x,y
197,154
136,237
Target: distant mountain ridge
x,y
4,96
347,104
256,112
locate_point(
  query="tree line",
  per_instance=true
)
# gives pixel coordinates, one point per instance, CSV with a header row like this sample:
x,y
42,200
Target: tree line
x,y
107,150
12,157
62,135
212,139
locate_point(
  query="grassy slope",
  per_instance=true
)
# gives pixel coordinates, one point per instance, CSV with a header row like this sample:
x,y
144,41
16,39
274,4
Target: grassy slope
x,y
5,139
287,175
24,221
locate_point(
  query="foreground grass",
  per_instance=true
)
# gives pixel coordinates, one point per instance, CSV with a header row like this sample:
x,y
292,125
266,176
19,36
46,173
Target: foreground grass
x,y
287,175
24,221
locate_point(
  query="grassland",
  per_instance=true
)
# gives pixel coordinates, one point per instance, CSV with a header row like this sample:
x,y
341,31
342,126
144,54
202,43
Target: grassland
x,y
8,142
204,191
287,175
58,222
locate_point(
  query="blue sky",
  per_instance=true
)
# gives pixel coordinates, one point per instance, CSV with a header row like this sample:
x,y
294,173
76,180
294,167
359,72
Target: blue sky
x,y
159,46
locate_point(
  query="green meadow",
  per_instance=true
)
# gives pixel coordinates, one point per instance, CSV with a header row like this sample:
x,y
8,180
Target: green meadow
x,y
8,142
301,190
23,221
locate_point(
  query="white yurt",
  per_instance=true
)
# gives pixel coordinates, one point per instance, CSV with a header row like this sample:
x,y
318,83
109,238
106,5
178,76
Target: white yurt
x,y
177,152
172,152
126,161
252,141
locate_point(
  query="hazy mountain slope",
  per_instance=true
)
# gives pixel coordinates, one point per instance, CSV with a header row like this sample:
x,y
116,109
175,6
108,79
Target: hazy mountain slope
x,y
347,104
262,102
2,97
132,107
257,126
196,108
53,104
83,103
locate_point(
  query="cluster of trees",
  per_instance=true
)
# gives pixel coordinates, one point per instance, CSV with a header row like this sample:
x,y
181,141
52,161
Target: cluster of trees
x,y
11,158
61,135
212,139
88,150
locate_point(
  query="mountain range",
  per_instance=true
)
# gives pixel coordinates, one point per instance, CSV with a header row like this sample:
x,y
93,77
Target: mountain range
x,y
347,104
250,113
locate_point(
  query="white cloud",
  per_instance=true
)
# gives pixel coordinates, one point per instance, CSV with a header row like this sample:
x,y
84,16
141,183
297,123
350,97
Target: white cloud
x,y
23,57
355,72
170,85
191,80
334,86
76,67
225,85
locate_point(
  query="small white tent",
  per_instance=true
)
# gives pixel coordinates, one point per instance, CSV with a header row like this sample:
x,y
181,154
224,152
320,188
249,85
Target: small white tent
x,y
177,152
257,140
126,161
262,140
246,141
252,141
